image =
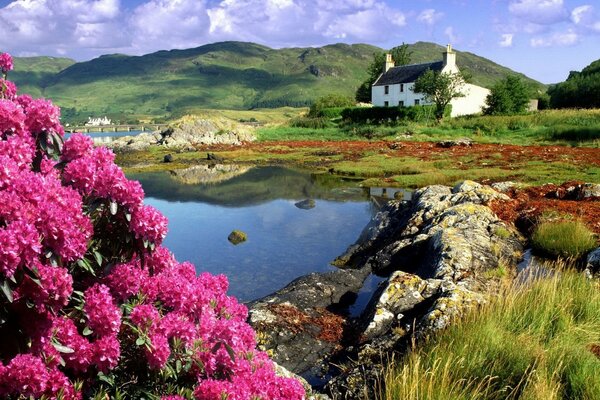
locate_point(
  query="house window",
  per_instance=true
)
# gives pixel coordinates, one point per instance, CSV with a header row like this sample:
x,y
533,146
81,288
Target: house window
x,y
386,90
417,102
401,87
386,103
401,103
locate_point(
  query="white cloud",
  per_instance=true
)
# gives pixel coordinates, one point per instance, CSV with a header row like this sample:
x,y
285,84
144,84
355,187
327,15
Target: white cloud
x,y
429,16
451,35
539,11
167,24
54,27
568,38
506,40
586,17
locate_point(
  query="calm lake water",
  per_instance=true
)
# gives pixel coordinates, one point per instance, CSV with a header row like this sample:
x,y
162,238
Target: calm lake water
x,y
205,204
107,137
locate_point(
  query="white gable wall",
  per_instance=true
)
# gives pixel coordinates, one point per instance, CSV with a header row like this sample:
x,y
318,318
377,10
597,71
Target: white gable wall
x,y
395,96
472,103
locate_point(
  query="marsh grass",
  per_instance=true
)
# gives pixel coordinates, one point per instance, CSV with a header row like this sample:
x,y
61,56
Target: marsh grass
x,y
532,342
568,239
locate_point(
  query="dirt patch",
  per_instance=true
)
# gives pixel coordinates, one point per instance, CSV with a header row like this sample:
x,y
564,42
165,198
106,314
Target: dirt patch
x,y
528,204
330,326
595,349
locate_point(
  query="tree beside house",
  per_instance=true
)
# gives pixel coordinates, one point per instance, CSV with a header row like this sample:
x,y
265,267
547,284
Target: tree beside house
x,y
395,86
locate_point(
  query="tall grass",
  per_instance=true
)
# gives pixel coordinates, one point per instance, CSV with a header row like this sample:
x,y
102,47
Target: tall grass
x,y
569,239
533,342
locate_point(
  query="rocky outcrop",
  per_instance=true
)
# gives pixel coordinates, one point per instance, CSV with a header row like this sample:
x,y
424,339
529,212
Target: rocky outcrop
x,y
188,134
208,174
440,253
303,325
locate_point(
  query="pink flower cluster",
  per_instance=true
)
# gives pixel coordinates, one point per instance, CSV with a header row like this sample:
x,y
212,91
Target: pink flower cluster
x,y
87,289
6,63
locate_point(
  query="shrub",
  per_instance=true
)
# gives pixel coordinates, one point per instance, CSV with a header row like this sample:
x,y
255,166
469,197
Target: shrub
x,y
390,115
91,305
569,239
308,122
329,101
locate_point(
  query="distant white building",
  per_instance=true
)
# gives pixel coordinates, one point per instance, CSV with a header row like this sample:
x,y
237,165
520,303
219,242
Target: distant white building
x,y
98,121
394,87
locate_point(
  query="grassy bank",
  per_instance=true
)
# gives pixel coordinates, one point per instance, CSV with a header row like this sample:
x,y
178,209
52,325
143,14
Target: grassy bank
x,y
540,341
563,127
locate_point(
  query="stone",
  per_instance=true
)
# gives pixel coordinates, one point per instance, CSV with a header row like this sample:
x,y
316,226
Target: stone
x,y
214,157
504,187
593,263
455,142
236,237
306,204
168,158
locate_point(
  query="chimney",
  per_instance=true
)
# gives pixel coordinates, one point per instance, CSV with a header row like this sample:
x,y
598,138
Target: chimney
x,y
449,57
389,63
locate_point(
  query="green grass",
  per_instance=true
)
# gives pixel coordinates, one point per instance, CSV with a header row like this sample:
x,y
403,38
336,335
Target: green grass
x,y
532,342
569,239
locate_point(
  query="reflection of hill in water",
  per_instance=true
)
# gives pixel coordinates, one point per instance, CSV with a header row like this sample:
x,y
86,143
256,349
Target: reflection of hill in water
x,y
255,186
211,173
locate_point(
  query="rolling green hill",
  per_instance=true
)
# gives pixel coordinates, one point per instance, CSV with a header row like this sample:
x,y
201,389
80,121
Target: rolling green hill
x,y
32,74
228,75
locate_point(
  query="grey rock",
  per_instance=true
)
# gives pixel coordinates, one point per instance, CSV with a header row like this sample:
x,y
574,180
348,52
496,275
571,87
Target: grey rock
x,y
455,142
299,326
306,204
168,158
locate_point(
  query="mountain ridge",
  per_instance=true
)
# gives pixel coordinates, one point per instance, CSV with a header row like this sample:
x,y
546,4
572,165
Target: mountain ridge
x,y
235,75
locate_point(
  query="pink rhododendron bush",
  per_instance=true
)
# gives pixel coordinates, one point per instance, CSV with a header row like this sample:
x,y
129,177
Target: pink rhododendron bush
x,y
91,305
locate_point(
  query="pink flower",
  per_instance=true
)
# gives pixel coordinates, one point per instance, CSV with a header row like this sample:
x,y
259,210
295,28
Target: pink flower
x,y
145,316
125,280
77,146
12,118
107,351
6,62
212,389
8,90
159,351
53,291
103,315
43,116
147,223
27,376
65,332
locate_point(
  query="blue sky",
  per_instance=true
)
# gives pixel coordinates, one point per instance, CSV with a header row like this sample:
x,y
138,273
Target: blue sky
x,y
544,39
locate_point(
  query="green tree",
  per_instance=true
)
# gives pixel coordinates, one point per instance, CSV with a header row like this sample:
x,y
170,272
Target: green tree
x,y
329,101
401,56
507,97
581,89
440,88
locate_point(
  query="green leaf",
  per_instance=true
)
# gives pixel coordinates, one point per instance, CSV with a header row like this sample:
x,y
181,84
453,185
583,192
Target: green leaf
x,y
113,207
230,351
216,347
62,349
7,291
87,331
98,257
140,341
178,366
128,217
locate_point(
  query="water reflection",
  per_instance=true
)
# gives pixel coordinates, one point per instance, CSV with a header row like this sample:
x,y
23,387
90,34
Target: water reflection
x,y
284,241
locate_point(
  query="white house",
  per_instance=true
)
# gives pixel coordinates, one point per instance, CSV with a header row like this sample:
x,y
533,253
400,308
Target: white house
x,y
394,87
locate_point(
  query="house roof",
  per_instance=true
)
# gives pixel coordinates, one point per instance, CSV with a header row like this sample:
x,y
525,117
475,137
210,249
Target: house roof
x,y
406,73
